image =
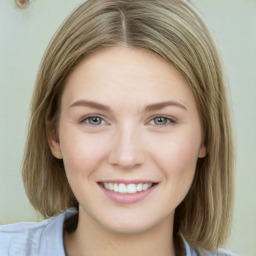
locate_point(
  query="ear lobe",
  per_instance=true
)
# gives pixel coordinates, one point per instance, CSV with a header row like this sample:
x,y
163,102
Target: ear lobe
x,y
55,148
53,141
202,151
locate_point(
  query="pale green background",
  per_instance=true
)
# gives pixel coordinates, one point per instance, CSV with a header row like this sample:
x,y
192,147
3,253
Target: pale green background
x,y
24,35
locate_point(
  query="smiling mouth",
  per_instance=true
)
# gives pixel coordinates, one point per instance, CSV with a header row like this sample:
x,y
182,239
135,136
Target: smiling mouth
x,y
131,188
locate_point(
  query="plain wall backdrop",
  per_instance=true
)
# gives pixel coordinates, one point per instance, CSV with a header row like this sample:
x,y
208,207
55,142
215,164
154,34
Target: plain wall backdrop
x,y
24,35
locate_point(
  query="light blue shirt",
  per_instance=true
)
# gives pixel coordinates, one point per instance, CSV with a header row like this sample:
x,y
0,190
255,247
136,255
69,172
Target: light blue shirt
x,y
45,238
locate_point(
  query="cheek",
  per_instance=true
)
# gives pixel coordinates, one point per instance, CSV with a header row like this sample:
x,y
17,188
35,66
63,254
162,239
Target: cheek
x,y
177,162
81,154
177,155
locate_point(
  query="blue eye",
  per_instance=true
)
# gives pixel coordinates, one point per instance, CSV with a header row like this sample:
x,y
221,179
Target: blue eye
x,y
161,120
94,120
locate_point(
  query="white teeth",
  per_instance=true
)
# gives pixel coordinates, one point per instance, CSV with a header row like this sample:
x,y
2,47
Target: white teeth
x,y
122,189
116,188
145,187
129,188
139,187
110,186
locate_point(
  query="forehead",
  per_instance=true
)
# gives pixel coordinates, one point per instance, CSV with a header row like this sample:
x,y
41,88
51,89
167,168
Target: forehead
x,y
126,72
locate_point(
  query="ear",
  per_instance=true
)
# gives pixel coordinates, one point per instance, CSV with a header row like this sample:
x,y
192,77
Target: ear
x,y
202,151
53,141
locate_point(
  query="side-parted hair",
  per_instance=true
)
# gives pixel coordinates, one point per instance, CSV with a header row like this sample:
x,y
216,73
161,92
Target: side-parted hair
x,y
175,31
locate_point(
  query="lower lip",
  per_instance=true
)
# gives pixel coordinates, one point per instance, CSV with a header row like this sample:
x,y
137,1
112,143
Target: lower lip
x,y
127,198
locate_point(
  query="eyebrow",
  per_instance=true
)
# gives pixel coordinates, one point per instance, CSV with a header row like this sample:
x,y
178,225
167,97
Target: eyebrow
x,y
91,104
148,108
161,105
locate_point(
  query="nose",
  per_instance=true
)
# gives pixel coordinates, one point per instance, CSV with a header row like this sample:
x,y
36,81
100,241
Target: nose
x,y
127,148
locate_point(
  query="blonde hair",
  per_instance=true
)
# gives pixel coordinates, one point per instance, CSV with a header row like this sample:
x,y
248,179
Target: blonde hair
x,y
173,30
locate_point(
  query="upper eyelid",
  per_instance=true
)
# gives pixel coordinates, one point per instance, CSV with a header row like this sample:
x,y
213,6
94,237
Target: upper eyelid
x,y
169,121
171,118
106,120
92,115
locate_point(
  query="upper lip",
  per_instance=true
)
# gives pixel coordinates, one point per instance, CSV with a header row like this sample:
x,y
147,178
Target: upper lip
x,y
119,181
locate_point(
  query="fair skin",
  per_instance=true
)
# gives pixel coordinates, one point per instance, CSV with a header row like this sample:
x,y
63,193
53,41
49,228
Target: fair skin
x,y
127,117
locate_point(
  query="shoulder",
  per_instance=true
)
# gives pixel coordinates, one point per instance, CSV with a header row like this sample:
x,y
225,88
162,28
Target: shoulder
x,y
191,251
219,252
42,238
224,252
21,238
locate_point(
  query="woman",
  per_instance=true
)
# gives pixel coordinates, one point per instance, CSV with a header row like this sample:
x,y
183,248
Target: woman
x,y
130,138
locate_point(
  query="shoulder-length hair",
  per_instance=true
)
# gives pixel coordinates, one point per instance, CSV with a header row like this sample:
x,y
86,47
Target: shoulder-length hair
x,y
173,30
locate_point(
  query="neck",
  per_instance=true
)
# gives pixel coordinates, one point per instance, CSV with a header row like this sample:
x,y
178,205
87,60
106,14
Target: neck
x,y
91,238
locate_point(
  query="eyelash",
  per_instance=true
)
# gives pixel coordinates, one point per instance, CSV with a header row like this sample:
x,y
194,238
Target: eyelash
x,y
90,118
167,120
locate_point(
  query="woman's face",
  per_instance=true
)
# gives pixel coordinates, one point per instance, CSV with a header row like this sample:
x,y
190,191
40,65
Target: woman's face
x,y
130,136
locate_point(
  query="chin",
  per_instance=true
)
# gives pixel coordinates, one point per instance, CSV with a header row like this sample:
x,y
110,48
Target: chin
x,y
127,226
129,229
